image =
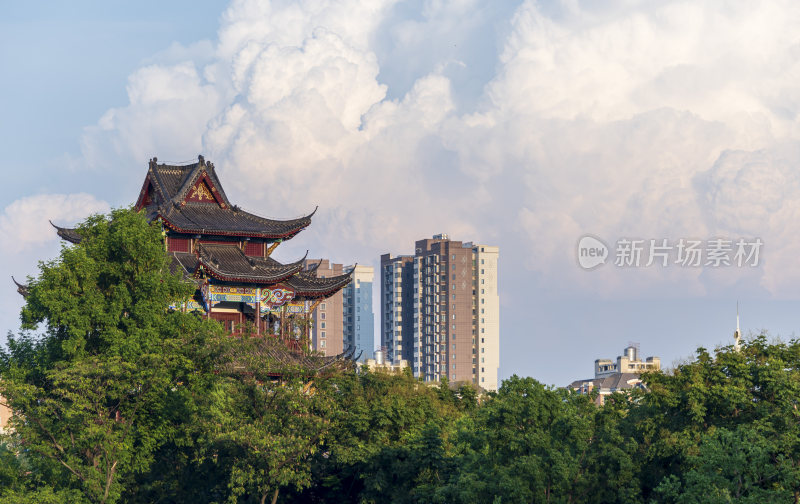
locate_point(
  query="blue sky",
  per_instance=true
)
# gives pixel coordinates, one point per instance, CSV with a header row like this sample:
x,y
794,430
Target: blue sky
x,y
520,124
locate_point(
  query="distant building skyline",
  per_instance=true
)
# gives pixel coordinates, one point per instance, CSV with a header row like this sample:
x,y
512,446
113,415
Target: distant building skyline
x,y
514,145
440,311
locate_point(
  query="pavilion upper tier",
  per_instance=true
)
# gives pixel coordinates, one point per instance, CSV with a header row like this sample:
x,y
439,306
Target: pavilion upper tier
x,y
190,199
208,237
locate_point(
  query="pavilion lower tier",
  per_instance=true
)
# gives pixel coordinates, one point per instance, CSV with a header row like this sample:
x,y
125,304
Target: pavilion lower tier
x,y
291,321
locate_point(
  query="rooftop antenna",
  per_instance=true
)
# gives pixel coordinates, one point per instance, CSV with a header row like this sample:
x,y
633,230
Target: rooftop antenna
x,y
737,336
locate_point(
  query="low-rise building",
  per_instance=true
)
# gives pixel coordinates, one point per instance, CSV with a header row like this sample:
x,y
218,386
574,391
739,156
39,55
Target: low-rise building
x,y
614,376
380,363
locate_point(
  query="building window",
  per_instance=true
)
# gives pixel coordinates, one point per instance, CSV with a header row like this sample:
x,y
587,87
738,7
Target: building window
x,y
481,311
482,291
454,296
322,325
322,306
322,315
322,344
481,261
454,257
482,282
322,334
454,276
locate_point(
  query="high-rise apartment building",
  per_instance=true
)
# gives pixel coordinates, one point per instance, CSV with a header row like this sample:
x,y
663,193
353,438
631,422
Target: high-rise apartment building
x,y
359,320
345,320
440,311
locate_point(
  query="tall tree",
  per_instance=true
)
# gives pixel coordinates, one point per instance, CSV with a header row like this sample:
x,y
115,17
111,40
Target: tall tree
x,y
97,392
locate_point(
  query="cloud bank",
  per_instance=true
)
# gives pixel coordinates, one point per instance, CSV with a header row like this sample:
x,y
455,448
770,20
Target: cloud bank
x,y
28,236
524,127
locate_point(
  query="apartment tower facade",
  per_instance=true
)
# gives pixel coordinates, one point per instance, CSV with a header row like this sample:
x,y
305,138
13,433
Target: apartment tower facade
x,y
440,311
344,321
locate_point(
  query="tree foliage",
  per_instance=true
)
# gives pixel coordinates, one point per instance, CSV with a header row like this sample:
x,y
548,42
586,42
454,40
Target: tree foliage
x,y
119,399
97,392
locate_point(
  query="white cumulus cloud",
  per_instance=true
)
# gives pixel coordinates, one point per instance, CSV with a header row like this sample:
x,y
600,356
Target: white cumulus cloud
x,y
621,119
25,223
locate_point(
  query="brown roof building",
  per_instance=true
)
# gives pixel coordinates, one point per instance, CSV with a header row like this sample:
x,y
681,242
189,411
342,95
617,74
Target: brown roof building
x,y
440,311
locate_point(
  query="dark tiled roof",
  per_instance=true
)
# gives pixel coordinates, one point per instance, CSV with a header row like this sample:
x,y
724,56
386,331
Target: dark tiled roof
x,y
267,357
186,262
170,179
172,183
71,235
21,288
307,284
207,218
171,186
228,263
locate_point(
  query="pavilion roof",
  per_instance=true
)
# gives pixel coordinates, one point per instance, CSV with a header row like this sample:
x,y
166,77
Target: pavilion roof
x,y
70,235
308,285
190,199
22,289
227,263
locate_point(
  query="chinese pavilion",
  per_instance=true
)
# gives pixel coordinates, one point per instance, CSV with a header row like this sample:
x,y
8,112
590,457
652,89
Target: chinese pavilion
x,y
227,252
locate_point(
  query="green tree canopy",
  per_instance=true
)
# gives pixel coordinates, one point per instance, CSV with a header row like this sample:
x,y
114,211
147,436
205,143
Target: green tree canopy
x,y
106,382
